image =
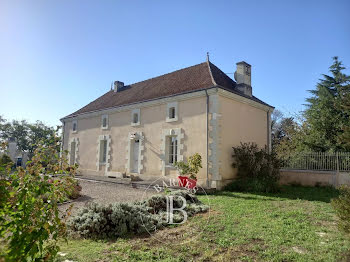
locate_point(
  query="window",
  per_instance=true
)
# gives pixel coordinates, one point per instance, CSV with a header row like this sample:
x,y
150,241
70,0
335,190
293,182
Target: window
x,y
172,112
103,151
104,121
135,117
75,126
19,161
172,149
72,153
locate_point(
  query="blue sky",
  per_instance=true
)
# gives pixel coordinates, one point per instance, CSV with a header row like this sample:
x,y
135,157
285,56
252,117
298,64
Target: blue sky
x,y
57,56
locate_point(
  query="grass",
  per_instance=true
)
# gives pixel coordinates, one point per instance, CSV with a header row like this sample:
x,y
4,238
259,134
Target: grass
x,y
297,224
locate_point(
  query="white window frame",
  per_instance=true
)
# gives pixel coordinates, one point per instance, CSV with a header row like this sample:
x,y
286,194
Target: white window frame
x,y
133,112
169,106
172,150
102,119
76,126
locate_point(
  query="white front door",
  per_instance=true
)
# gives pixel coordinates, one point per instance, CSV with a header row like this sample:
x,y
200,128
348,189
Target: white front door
x,y
135,163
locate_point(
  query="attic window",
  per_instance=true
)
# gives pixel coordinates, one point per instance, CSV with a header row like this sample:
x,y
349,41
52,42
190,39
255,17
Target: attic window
x,y
104,121
74,126
135,117
172,112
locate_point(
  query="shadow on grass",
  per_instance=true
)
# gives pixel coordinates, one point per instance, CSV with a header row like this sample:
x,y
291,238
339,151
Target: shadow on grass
x,y
322,194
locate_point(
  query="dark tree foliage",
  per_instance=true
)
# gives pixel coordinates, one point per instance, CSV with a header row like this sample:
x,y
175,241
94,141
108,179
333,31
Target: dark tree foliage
x,y
327,115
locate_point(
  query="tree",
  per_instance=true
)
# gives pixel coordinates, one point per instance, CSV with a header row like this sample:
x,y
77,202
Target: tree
x,y
288,134
27,135
343,104
326,119
289,137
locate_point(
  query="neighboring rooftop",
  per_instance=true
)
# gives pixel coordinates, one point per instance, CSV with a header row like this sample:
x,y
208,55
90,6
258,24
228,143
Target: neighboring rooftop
x,y
186,80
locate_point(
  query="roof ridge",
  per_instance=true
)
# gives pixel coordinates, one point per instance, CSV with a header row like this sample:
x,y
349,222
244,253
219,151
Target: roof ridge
x,y
166,74
211,73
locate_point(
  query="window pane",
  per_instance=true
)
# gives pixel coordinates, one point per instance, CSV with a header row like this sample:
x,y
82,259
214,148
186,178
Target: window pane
x,y
104,150
175,150
74,126
172,112
172,149
104,122
135,118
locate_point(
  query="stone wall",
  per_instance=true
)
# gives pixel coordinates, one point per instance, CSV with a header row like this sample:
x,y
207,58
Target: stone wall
x,y
314,178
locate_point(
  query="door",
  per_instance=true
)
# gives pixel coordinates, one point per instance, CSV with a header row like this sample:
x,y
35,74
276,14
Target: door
x,y
19,161
135,163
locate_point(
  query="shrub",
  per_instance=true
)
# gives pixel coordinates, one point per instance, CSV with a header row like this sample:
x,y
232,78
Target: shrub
x,y
192,167
29,217
257,169
5,160
342,208
70,186
120,219
5,163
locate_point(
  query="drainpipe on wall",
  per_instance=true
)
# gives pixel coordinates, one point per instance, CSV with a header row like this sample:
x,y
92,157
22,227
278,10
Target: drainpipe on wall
x,y
269,138
62,144
207,120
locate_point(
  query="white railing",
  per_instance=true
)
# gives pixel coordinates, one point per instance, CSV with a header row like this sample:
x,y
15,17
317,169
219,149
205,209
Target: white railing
x,y
339,161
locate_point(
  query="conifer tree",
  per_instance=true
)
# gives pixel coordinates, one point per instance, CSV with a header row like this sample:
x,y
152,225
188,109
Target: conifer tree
x,y
327,114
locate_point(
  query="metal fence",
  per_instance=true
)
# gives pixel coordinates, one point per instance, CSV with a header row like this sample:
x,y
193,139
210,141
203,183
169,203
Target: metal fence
x,y
339,161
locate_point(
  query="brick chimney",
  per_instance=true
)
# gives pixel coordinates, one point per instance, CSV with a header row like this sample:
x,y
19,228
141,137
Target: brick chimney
x,y
118,86
243,78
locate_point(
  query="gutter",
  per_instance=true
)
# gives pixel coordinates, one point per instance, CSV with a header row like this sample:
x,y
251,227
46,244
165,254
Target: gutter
x,y
207,120
62,144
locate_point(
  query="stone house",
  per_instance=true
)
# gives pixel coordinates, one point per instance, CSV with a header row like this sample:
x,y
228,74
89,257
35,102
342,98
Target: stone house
x,y
144,128
18,157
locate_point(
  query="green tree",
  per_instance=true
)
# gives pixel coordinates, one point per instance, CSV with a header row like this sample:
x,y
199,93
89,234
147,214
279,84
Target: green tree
x,y
326,119
343,104
288,135
27,135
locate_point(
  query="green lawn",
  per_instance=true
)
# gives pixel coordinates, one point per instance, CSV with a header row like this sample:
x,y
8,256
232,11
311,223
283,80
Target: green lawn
x,y
297,224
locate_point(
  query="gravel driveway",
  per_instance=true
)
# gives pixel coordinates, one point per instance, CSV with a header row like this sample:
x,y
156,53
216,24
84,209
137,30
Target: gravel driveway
x,y
106,193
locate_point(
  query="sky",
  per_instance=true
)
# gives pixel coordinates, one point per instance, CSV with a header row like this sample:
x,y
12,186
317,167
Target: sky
x,y
57,56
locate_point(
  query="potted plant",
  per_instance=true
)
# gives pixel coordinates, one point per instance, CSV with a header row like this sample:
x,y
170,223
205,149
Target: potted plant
x,y
188,171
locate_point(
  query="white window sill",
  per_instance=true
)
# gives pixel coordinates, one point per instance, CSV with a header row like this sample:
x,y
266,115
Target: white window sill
x,y
171,119
74,132
170,166
104,128
135,124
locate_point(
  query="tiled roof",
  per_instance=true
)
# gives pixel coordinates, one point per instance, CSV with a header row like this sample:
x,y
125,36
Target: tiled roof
x,y
193,78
